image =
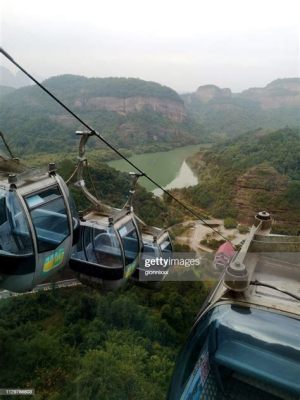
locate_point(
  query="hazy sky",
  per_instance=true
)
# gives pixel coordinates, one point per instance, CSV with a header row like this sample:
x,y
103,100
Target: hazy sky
x,y
182,44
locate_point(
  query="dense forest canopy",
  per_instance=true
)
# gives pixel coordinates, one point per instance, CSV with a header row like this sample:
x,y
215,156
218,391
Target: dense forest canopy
x,y
79,344
71,85
280,148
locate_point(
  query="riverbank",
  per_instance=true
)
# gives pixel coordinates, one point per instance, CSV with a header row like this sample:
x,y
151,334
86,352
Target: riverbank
x,y
184,178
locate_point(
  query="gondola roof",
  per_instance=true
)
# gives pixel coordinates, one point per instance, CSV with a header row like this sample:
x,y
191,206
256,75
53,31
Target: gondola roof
x,y
105,217
272,260
152,233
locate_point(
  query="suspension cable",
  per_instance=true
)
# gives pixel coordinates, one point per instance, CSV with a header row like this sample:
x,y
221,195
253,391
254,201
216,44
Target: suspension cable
x,y
6,145
267,285
92,182
72,175
112,147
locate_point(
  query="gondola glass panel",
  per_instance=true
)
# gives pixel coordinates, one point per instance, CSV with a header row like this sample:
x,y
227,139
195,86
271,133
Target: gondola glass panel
x,y
15,236
129,238
74,213
166,247
102,247
49,217
17,259
98,258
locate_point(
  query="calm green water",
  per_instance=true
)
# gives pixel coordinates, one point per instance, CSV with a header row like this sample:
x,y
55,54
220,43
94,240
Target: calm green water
x,y
167,168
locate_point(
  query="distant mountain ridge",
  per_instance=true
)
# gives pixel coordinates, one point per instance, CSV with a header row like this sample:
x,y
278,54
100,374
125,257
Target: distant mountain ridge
x,y
113,87
281,91
223,112
133,112
7,78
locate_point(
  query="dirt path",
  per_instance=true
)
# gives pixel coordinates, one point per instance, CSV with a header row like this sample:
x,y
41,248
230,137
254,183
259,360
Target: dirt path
x,y
197,231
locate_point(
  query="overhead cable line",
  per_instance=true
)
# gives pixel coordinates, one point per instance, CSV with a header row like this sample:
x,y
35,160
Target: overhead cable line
x,y
112,147
267,285
6,145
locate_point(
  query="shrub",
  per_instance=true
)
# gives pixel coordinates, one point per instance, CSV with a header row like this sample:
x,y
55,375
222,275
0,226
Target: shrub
x,y
243,229
230,223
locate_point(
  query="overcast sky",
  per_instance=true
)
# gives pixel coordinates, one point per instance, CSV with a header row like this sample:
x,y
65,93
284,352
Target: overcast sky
x,y
182,44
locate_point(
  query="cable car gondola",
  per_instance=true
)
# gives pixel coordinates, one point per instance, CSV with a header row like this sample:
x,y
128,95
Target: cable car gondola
x,y
38,225
113,241
108,251
109,248
245,343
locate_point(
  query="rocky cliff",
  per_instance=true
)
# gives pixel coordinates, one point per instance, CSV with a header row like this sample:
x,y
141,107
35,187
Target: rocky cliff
x,y
120,95
264,188
279,93
208,92
174,110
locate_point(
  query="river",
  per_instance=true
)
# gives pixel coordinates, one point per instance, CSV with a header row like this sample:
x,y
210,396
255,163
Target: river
x,y
168,168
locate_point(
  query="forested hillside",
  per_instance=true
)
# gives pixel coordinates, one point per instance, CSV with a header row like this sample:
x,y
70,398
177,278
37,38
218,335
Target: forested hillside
x,y
78,344
130,112
259,170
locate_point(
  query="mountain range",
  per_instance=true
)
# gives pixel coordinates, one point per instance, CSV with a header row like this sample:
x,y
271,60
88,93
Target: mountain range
x,y
222,112
134,113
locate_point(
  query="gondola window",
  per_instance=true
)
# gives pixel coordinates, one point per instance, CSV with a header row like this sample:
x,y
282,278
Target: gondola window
x,y
49,216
